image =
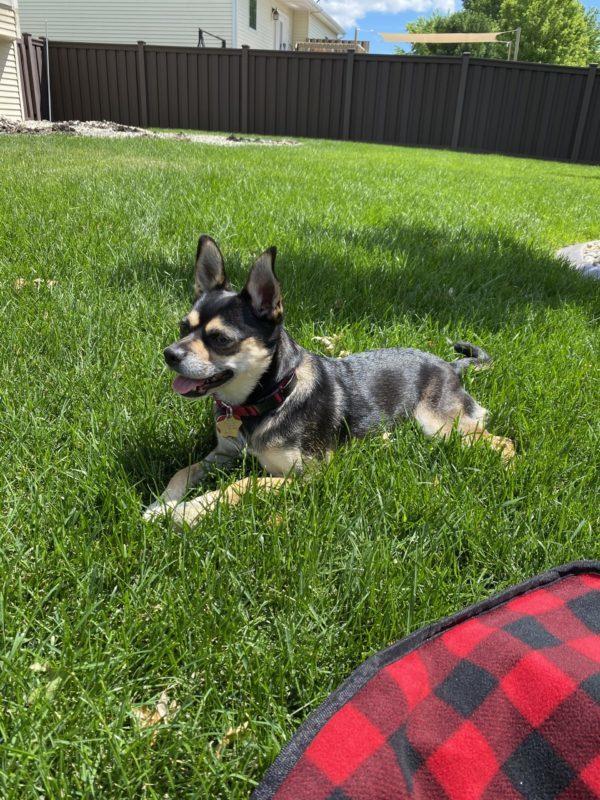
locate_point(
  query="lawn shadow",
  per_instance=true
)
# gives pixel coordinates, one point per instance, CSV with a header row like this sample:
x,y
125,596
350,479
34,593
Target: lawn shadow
x,y
378,273
150,460
490,280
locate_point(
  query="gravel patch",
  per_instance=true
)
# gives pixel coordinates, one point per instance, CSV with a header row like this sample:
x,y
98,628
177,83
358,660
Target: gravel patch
x,y
584,257
114,130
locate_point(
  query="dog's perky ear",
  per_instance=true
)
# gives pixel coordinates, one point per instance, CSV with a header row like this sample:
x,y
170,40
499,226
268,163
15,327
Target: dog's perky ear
x,y
210,269
262,287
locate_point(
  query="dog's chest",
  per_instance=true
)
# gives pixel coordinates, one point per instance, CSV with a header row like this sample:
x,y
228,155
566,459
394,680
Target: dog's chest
x,y
278,459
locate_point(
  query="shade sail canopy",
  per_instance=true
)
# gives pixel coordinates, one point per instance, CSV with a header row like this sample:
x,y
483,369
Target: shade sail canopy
x,y
441,38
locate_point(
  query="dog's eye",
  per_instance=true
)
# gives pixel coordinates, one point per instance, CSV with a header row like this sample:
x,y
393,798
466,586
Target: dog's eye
x,y
220,339
184,327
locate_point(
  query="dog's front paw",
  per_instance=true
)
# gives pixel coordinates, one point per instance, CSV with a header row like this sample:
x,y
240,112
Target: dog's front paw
x,y
160,508
190,512
506,448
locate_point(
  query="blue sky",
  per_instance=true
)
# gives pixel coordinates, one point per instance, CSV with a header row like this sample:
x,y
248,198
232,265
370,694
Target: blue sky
x,y
372,16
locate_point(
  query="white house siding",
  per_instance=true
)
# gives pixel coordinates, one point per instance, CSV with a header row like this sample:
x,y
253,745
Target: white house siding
x,y
175,22
10,93
263,37
318,28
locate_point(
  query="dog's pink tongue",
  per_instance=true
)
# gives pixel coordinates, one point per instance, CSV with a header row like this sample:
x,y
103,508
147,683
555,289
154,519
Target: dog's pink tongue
x,y
185,385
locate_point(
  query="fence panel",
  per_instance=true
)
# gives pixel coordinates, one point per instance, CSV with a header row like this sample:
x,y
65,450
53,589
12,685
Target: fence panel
x,y
32,68
590,150
296,94
461,103
197,88
403,100
95,81
590,139
521,109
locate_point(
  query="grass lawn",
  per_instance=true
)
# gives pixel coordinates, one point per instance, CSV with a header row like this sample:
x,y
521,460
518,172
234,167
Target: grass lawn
x,y
258,613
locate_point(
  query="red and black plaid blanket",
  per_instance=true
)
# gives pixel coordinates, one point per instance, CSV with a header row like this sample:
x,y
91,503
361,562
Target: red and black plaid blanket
x,y
499,702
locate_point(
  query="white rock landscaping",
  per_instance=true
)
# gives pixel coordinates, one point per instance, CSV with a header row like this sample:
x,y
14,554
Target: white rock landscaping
x,y
115,130
584,257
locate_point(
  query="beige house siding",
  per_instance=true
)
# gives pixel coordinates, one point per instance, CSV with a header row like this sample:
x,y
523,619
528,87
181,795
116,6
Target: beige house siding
x,y
8,21
308,25
300,32
127,21
11,105
10,95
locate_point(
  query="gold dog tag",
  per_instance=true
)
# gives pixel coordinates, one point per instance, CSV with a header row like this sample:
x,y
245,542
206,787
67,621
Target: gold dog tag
x,y
229,427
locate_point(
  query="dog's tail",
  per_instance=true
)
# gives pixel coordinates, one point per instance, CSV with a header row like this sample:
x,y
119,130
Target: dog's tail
x,y
474,357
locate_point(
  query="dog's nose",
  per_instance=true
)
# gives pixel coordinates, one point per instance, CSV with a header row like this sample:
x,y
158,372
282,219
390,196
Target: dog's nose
x,y
172,356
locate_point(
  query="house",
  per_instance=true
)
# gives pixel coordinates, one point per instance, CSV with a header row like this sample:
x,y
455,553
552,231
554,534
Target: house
x,y
261,24
11,101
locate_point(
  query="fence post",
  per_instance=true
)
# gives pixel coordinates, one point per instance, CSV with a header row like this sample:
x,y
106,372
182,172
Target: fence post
x,y
244,89
348,95
517,43
24,78
48,85
583,113
34,85
142,93
460,100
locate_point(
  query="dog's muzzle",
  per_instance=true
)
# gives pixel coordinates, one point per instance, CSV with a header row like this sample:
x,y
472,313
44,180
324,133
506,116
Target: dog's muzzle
x,y
198,387
192,387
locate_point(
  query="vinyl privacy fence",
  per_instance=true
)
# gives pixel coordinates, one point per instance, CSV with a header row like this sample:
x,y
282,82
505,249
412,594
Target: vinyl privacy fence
x,y
34,79
464,103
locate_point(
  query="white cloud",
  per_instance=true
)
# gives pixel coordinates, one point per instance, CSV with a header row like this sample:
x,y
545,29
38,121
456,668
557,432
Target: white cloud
x,y
349,12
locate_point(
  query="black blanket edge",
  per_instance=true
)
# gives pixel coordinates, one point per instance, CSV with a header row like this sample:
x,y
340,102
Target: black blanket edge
x,y
292,752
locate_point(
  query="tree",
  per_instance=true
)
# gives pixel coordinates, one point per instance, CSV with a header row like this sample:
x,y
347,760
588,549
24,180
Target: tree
x,y
491,8
593,22
460,22
552,31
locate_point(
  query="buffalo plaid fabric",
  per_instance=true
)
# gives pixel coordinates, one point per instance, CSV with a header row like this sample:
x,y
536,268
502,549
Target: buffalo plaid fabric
x,y
501,702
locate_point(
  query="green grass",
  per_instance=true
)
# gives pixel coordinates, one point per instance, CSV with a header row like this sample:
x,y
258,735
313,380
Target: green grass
x,y
257,614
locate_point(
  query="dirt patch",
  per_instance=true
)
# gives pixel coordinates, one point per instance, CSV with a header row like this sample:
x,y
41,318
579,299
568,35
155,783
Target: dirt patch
x,y
114,130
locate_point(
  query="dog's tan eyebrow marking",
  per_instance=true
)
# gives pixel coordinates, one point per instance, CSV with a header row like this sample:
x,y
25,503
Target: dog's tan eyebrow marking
x,y
197,347
193,318
217,325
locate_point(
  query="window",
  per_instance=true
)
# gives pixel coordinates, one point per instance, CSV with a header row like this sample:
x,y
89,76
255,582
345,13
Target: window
x,y
252,21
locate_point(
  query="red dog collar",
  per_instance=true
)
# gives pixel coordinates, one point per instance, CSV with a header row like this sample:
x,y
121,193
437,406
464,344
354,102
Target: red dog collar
x,y
268,403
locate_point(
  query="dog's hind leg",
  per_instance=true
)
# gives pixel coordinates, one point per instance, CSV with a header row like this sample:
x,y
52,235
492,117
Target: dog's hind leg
x,y
502,444
471,427
193,510
224,454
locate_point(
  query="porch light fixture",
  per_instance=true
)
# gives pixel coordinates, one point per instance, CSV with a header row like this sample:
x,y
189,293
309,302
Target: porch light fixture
x,y
275,14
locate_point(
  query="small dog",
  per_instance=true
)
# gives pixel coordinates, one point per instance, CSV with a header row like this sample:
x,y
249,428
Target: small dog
x,y
286,405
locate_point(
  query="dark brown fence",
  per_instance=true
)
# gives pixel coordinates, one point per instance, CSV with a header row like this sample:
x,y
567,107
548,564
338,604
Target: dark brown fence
x,y
460,103
32,63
